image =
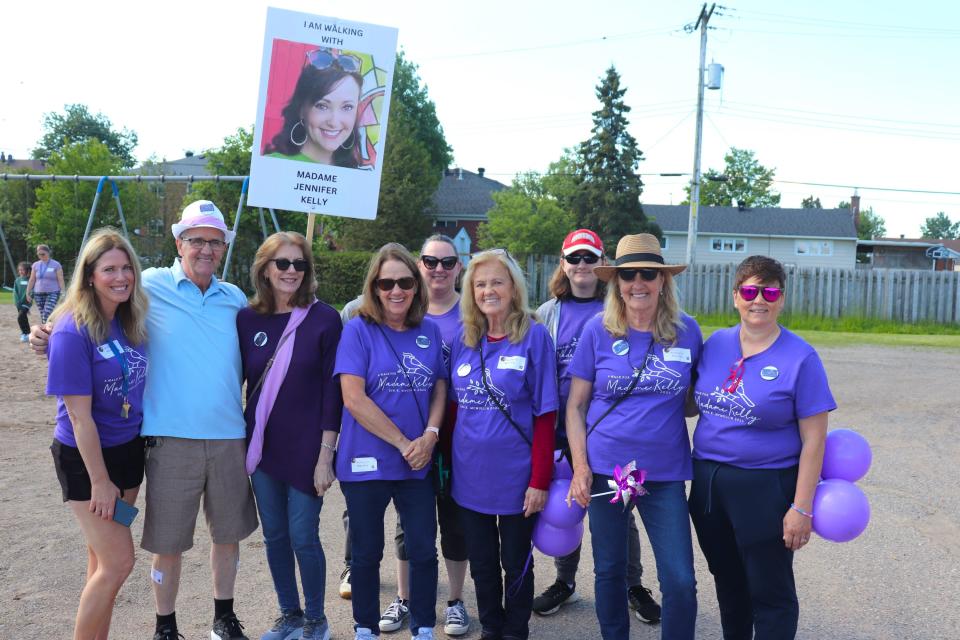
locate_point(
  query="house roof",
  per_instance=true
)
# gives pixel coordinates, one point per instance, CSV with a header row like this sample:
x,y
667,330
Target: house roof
x,y
464,194
10,165
195,165
805,223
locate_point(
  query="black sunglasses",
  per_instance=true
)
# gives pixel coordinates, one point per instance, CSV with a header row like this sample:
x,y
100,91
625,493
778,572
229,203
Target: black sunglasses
x,y
629,275
575,258
299,265
431,262
387,284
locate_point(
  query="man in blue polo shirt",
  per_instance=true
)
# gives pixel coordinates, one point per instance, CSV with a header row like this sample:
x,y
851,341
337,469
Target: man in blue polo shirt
x,y
193,419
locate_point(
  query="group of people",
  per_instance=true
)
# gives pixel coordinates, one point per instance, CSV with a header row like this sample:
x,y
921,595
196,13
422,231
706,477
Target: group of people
x,y
451,406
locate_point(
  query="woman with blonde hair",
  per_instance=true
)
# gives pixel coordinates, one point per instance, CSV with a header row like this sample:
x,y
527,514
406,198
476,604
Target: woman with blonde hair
x,y
630,378
504,383
288,346
393,377
97,363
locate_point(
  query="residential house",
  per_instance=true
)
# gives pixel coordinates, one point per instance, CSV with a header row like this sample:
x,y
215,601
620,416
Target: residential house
x,y
462,201
928,254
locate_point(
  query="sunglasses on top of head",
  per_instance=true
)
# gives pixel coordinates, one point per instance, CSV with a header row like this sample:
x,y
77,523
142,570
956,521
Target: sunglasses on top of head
x,y
324,58
299,265
629,275
387,284
750,292
575,258
431,262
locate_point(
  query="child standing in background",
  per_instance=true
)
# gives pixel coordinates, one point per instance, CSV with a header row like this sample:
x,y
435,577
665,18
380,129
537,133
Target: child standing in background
x,y
20,299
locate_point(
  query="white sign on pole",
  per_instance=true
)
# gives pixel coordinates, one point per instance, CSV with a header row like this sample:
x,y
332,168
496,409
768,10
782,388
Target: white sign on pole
x,y
321,127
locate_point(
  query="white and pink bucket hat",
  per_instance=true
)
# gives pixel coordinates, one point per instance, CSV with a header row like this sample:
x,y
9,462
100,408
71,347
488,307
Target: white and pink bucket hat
x,y
202,213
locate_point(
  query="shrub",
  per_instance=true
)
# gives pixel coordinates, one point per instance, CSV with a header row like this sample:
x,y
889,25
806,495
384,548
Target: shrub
x,y
340,275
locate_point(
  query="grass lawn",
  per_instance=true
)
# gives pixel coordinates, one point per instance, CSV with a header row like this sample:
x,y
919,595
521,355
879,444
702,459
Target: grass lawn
x,y
849,338
6,297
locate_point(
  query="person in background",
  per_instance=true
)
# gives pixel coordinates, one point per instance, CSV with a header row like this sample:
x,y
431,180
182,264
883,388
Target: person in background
x,y
577,297
763,399
46,282
630,378
503,379
20,301
97,362
288,346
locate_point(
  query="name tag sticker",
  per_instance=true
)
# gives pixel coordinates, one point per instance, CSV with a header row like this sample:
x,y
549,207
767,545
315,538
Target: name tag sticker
x,y
517,363
105,351
676,355
363,465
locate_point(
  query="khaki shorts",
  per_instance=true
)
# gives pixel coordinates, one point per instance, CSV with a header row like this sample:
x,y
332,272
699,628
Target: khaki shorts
x,y
179,471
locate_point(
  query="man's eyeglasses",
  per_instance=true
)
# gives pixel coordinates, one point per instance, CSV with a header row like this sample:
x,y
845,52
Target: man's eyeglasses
x,y
324,58
431,262
575,258
299,265
629,275
749,292
197,243
387,284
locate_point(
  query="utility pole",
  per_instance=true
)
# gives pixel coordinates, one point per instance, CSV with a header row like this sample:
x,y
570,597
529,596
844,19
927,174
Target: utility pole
x,y
702,22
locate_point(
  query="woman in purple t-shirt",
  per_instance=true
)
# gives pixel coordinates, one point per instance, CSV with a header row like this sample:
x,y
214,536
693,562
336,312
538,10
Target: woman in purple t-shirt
x,y
763,399
288,346
97,363
394,382
630,378
46,282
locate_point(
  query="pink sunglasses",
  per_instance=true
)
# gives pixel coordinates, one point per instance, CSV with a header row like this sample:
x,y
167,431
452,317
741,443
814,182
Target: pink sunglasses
x,y
749,292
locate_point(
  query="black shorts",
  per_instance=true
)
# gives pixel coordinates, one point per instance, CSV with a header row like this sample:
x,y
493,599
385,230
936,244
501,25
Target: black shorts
x,y
124,464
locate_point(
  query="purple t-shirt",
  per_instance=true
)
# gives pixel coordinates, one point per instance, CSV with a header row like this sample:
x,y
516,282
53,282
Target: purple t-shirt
x,y
78,367
491,460
449,324
757,427
46,280
372,354
574,314
648,426
308,402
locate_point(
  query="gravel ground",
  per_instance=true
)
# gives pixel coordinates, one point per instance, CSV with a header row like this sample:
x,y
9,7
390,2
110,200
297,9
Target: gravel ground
x,y
900,579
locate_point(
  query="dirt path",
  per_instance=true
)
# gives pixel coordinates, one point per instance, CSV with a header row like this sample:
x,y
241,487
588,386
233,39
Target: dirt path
x,y
900,579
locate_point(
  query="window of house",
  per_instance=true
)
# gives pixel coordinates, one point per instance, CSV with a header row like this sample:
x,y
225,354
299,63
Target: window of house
x,y
664,243
728,245
813,247
445,224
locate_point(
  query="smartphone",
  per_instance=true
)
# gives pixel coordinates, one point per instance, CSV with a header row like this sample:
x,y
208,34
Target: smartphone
x,y
124,513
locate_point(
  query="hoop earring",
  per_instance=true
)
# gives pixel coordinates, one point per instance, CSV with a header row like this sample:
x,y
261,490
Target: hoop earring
x,y
293,128
352,139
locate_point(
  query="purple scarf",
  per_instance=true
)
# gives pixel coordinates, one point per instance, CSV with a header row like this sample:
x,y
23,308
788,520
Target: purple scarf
x,y
272,383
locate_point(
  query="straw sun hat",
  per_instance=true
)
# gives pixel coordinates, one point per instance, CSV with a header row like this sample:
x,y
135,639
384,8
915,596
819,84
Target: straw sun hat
x,y
639,251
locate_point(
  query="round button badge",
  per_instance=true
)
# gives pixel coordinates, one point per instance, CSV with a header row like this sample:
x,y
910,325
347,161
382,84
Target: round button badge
x,y
621,347
260,338
769,373
423,342
464,369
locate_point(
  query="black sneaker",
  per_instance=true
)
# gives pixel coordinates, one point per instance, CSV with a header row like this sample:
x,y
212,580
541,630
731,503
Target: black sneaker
x,y
556,595
167,633
641,601
395,616
227,627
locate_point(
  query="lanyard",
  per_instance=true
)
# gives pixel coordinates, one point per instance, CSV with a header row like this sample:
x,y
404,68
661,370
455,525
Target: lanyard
x,y
121,356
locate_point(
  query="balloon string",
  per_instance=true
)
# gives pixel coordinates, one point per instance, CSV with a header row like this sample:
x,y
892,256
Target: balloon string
x,y
518,583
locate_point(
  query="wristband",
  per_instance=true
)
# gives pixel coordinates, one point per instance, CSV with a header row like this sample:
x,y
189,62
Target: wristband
x,y
434,430
801,511
327,446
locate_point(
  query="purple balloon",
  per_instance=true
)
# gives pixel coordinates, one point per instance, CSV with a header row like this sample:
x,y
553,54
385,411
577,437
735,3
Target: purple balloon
x,y
840,510
561,468
556,542
846,456
556,511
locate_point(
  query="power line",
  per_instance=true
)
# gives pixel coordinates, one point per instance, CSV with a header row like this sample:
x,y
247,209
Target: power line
x,y
854,186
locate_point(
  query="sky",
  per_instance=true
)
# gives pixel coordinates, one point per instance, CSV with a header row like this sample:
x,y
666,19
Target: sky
x,y
863,96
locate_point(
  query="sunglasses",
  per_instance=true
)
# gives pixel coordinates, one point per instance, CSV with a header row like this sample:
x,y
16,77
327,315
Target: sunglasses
x,y
749,292
576,258
387,284
324,58
629,275
431,262
299,265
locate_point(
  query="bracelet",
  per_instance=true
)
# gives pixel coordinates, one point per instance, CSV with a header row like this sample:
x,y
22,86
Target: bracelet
x,y
808,514
327,446
434,430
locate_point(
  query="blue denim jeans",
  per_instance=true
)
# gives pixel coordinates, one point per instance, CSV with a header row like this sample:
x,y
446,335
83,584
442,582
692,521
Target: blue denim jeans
x,y
291,522
416,503
665,517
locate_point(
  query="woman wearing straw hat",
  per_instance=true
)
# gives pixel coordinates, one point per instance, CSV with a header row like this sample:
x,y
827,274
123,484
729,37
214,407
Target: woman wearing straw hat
x,y
630,378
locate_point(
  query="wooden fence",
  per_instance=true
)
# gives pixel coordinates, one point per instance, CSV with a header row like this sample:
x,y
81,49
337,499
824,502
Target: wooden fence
x,y
900,295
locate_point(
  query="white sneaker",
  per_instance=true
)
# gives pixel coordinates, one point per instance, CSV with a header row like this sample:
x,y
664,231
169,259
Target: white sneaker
x,y
346,591
395,615
362,633
24,337
457,621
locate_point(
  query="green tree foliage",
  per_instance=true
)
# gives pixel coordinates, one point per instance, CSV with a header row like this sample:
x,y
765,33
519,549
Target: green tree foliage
x,y
77,124
811,203
525,223
871,225
608,187
940,227
17,197
743,181
413,162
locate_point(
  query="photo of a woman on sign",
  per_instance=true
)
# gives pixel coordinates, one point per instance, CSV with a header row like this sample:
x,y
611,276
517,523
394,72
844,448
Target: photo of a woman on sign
x,y
320,120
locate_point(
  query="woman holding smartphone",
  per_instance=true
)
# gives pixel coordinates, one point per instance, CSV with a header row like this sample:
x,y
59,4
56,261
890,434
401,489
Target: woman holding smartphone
x,y
96,370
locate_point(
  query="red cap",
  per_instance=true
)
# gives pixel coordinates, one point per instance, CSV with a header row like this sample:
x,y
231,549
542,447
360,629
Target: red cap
x,y
582,240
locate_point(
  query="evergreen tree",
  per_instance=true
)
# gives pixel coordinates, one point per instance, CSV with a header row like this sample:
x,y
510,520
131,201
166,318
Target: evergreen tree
x,y
607,195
